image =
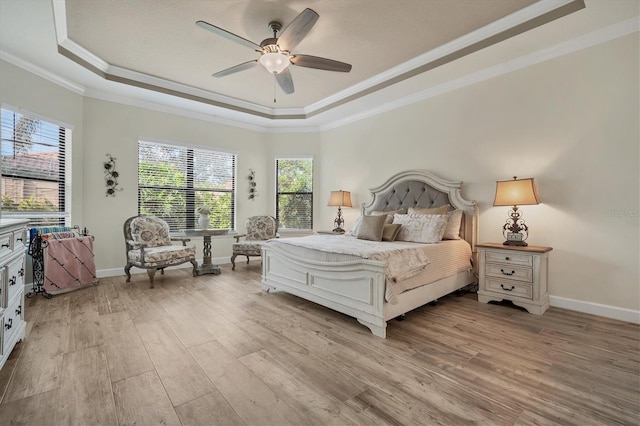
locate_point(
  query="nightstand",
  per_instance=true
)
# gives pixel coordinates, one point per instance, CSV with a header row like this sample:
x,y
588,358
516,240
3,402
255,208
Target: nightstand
x,y
514,273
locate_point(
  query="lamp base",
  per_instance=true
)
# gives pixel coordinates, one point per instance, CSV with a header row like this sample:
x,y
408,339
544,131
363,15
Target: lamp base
x,y
338,230
515,243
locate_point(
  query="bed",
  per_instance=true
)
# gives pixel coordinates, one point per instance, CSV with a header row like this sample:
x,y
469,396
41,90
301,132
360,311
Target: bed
x,y
360,286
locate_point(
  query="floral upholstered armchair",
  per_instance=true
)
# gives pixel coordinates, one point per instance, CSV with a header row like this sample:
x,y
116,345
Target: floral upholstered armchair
x,y
150,247
258,230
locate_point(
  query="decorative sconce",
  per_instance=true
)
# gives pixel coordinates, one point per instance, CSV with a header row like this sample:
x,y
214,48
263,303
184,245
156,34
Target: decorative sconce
x,y
111,176
516,192
341,199
253,192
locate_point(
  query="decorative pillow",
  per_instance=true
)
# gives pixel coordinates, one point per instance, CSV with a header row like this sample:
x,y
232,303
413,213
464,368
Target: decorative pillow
x,y
452,230
356,225
371,228
390,231
434,210
389,214
421,228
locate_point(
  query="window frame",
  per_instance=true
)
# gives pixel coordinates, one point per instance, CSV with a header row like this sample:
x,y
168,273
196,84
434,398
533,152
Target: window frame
x,y
190,189
61,217
278,192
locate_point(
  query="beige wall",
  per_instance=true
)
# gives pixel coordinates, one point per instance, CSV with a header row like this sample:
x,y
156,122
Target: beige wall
x,y
571,123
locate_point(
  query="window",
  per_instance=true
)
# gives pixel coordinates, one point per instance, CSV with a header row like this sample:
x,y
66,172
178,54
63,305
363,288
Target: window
x,y
174,180
33,169
294,193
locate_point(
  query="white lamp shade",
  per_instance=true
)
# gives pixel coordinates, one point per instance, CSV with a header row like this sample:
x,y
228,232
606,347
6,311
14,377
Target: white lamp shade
x,y
516,192
340,199
275,62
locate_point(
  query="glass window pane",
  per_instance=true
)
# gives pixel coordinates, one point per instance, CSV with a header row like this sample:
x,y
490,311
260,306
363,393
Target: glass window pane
x,y
294,195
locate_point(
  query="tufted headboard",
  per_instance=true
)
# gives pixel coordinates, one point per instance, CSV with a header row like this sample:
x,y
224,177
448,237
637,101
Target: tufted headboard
x,y
419,188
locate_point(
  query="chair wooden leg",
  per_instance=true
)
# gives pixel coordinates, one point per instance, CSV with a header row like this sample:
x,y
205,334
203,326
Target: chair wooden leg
x,y
126,271
233,262
247,260
151,272
195,267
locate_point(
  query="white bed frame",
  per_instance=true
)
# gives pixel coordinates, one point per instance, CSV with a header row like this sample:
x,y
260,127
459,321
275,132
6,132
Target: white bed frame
x,y
357,288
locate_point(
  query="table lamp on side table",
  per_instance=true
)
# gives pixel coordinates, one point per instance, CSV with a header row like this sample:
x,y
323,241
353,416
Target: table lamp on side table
x,y
516,192
340,199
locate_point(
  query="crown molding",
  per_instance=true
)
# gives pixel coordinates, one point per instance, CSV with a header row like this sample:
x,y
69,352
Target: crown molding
x,y
43,73
576,44
513,24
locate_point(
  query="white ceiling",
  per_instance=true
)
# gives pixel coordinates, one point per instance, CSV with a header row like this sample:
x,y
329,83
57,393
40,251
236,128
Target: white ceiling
x,y
151,52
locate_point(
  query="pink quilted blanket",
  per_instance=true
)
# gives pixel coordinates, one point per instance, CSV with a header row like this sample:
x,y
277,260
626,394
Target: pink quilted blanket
x,y
68,264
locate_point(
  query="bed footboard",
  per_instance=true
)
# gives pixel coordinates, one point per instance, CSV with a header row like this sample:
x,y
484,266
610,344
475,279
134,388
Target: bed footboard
x,y
355,288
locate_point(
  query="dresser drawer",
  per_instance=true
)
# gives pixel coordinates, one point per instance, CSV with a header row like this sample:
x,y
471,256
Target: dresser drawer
x,y
14,277
509,258
510,288
13,318
19,239
509,272
3,288
6,244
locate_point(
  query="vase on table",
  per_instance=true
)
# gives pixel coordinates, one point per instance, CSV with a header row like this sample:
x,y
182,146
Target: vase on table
x,y
203,221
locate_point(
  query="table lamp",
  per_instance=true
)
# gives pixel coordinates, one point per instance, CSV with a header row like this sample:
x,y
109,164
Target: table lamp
x,y
516,192
341,199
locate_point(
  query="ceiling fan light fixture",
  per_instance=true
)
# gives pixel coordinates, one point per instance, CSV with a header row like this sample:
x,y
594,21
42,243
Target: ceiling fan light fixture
x,y
275,61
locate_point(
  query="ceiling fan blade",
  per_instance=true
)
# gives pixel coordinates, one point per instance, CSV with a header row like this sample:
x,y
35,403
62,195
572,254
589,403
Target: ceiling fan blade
x,y
316,62
237,68
229,36
285,81
297,29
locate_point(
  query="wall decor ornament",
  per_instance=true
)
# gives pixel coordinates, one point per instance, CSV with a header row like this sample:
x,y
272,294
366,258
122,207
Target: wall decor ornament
x,y
111,176
253,192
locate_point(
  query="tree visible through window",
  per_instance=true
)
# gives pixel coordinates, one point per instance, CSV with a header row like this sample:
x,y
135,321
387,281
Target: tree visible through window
x,y
294,193
33,169
174,180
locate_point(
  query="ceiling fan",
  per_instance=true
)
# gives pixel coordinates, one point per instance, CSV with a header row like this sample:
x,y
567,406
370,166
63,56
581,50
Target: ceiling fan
x,y
275,52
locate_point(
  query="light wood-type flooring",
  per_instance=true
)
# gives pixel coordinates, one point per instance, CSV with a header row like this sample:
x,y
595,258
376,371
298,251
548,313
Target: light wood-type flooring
x,y
219,350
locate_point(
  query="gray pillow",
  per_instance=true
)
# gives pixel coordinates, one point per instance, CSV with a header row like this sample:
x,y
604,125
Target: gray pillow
x,y
371,228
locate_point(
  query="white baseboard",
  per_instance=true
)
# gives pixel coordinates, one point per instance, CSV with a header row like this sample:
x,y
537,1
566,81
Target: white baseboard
x,y
114,272
613,312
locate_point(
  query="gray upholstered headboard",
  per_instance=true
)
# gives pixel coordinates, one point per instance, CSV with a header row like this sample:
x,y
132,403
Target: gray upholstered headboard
x,y
419,188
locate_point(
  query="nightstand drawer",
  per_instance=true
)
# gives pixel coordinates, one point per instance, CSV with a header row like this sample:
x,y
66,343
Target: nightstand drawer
x,y
509,272
512,288
507,257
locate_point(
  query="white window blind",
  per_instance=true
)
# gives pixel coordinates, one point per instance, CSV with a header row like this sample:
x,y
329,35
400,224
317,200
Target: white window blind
x,y
33,169
174,180
294,193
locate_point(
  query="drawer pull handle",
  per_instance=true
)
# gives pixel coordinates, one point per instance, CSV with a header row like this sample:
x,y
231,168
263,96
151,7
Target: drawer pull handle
x,y
507,258
9,324
21,272
507,289
6,245
19,239
12,280
507,273
19,310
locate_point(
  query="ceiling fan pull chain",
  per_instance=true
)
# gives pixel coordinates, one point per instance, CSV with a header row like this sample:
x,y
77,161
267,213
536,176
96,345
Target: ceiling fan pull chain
x,y
274,90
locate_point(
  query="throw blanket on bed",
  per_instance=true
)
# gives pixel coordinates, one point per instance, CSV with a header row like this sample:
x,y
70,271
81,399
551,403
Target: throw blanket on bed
x,y
403,260
68,264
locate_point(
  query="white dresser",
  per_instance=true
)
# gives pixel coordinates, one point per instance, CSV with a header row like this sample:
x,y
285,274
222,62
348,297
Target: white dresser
x,y
13,239
518,274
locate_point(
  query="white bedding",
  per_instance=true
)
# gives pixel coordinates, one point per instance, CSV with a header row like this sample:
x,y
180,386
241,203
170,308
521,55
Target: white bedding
x,y
408,265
